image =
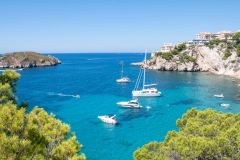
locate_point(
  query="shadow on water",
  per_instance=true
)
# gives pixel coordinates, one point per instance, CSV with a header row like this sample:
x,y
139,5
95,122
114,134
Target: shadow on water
x,y
185,102
127,144
107,139
54,108
133,114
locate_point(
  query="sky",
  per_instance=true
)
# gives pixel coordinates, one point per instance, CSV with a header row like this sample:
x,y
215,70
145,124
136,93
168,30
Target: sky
x,y
102,26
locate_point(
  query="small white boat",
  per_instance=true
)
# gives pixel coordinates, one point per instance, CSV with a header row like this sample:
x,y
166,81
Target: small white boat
x,y
109,118
225,105
123,79
130,104
77,96
219,96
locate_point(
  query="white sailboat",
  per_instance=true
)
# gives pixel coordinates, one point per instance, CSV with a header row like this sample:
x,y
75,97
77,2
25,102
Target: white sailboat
x,y
123,79
148,90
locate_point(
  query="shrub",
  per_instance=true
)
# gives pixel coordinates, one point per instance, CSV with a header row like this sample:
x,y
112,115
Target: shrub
x,y
159,53
227,54
238,50
190,58
174,51
167,55
211,46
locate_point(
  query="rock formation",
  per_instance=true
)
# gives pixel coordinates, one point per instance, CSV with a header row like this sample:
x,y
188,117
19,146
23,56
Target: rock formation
x,y
27,60
206,60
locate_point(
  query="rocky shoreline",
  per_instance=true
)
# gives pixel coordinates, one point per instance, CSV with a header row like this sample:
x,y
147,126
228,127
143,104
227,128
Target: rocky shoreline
x,y
206,60
27,60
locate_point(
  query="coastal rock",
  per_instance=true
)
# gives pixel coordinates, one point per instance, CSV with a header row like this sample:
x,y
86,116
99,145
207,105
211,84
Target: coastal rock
x,y
207,60
27,60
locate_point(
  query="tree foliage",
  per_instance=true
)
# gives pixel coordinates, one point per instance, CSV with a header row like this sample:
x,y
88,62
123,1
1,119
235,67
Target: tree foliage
x,y
227,54
33,135
202,135
238,50
175,51
236,35
8,82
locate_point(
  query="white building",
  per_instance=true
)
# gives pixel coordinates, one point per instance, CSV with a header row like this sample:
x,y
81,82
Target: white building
x,y
211,36
167,47
196,42
198,36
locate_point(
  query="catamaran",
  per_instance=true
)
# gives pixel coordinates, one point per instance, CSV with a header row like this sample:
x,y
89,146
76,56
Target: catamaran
x,y
123,79
148,90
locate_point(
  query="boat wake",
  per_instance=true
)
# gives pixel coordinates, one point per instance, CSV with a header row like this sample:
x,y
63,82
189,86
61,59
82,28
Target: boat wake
x,y
63,95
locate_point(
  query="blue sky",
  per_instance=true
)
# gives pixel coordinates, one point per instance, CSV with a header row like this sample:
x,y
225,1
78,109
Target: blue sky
x,y
80,26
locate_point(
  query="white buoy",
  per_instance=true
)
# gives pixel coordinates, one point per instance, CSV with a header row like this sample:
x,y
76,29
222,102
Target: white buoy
x,y
148,107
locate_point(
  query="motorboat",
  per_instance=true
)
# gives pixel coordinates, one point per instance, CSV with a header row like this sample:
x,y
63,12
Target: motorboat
x,y
123,79
225,105
147,90
77,96
130,104
219,96
109,118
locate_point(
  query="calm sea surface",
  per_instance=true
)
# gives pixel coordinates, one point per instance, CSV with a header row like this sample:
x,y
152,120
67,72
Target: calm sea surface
x,y
93,77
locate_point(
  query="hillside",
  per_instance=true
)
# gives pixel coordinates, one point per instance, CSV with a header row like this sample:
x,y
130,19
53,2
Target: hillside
x,y
220,58
27,60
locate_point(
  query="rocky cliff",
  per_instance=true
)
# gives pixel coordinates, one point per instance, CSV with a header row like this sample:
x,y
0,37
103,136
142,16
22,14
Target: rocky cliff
x,y
27,60
204,59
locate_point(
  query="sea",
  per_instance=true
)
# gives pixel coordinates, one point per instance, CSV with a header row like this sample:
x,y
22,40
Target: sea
x,y
93,77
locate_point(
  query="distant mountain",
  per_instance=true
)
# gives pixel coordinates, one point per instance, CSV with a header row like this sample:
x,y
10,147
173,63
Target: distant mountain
x,y
27,60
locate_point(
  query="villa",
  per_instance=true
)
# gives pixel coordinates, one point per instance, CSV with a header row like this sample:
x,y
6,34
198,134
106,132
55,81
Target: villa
x,y
211,36
167,47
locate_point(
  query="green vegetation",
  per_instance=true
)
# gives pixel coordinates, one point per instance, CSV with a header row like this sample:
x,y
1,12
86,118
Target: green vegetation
x,y
227,54
202,135
238,50
165,55
175,51
184,57
211,43
33,135
236,35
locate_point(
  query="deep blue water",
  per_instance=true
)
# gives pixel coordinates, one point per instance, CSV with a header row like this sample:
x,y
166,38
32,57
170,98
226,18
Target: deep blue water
x,y
93,77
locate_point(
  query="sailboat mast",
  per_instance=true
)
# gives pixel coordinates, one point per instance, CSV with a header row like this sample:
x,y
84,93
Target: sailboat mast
x,y
144,65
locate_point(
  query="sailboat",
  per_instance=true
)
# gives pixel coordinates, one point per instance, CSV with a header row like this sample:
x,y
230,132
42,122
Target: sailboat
x,y
148,90
123,79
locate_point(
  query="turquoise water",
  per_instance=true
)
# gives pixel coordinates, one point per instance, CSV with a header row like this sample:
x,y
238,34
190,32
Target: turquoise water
x,y
93,77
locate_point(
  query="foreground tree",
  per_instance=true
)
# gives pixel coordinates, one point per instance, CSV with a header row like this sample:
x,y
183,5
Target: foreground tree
x,y
8,82
202,135
35,135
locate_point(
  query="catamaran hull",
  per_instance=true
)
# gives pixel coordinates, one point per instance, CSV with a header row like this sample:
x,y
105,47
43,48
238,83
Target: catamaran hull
x,y
144,94
122,80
